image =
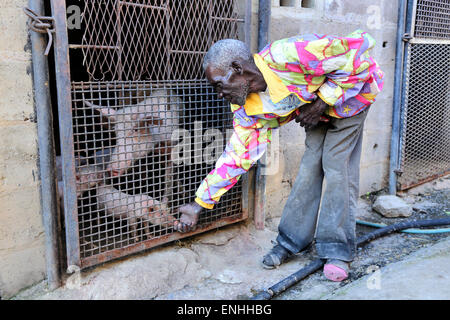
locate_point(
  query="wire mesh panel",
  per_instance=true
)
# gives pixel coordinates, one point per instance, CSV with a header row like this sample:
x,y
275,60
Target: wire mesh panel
x,y
142,149
147,127
432,19
426,116
153,39
425,125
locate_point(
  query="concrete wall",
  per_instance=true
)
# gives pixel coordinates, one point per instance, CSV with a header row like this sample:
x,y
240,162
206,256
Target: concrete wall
x,y
22,255
338,17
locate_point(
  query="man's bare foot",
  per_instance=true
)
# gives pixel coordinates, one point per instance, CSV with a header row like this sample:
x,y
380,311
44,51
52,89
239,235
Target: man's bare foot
x,y
189,217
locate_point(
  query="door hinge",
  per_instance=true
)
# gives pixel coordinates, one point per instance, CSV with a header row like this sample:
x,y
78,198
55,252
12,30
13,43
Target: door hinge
x,y
41,24
406,37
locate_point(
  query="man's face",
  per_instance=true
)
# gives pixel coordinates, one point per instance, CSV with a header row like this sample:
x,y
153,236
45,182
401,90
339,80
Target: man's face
x,y
229,84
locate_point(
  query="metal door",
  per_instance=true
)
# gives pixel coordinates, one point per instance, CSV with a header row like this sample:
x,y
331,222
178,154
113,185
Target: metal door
x,y
425,116
131,90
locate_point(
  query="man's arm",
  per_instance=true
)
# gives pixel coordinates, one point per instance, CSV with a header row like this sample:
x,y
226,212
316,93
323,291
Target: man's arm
x,y
310,114
245,148
247,144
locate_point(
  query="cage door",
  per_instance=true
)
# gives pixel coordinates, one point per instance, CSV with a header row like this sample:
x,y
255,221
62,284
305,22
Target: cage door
x,y
425,117
131,98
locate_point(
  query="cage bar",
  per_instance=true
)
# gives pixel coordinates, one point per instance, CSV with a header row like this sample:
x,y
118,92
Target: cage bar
x,y
146,127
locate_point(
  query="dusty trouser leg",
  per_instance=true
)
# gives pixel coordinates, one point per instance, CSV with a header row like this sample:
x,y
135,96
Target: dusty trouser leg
x,y
298,221
335,237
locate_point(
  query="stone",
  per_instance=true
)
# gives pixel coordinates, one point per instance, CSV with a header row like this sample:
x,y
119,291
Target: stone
x,y
424,206
391,206
230,276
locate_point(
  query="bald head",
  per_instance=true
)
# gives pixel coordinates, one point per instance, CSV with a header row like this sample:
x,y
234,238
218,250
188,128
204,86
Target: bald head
x,y
222,54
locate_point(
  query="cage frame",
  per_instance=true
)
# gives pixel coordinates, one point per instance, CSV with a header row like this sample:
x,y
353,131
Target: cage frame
x,y
64,91
417,37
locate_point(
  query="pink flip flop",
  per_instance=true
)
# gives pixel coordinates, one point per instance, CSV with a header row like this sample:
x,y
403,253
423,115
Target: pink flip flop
x,y
335,270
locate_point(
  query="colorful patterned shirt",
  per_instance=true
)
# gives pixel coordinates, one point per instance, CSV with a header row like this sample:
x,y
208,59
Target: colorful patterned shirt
x,y
337,69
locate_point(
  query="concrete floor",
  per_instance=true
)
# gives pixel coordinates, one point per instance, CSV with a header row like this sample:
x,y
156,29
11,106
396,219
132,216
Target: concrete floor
x,y
225,264
423,275
219,265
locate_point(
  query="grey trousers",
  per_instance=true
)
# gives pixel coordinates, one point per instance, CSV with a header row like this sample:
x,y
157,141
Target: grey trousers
x,y
333,151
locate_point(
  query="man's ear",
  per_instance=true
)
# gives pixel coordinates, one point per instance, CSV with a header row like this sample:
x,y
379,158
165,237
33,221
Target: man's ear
x,y
237,67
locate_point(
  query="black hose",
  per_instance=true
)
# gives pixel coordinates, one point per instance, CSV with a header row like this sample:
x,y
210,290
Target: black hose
x,y
401,226
315,265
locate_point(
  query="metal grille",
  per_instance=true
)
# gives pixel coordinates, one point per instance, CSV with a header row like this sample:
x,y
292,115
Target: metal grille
x,y
426,116
153,39
147,127
125,196
432,19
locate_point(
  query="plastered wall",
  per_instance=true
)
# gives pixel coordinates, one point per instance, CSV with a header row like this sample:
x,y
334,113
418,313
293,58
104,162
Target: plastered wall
x,y
338,17
22,254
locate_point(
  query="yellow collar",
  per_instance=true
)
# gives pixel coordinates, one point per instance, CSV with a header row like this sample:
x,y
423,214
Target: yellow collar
x,y
277,90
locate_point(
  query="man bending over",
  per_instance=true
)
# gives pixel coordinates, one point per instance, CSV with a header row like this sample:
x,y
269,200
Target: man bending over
x,y
325,83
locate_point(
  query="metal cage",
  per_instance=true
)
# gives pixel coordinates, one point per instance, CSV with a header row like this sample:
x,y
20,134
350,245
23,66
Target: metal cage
x,y
426,116
432,19
425,122
140,127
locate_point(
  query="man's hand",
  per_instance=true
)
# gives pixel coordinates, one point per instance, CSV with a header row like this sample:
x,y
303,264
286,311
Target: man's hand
x,y
310,113
189,217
